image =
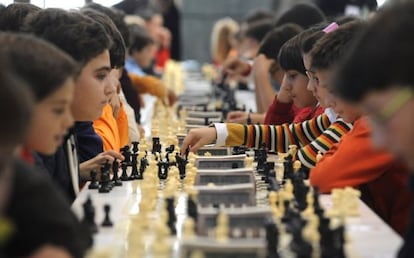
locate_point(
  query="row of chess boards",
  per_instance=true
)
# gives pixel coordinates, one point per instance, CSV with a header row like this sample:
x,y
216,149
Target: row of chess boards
x,y
239,193
369,235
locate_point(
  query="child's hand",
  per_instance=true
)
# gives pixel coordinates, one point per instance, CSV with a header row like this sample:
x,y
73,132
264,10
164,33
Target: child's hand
x,y
197,138
239,117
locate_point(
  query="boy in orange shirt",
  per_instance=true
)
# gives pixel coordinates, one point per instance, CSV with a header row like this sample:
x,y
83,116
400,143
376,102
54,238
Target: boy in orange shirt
x,y
353,161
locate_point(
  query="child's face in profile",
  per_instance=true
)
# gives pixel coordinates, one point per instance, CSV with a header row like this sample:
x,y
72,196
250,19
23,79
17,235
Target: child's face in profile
x,y
51,120
393,131
348,112
319,84
91,90
297,84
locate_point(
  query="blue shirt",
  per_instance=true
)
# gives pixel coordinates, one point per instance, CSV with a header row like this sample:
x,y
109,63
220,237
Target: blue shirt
x,y
133,67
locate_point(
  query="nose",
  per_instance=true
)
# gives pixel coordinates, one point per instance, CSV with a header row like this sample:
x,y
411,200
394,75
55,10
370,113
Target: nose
x,y
111,83
68,120
310,86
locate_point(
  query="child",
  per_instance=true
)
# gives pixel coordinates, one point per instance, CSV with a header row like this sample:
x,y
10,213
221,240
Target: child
x,y
353,161
24,194
87,42
266,71
380,81
53,92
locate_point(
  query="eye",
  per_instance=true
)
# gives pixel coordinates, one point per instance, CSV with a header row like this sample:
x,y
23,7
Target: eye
x,y
58,111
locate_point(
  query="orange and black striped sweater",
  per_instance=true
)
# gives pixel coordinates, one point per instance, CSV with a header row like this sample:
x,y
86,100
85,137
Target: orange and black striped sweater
x,y
311,136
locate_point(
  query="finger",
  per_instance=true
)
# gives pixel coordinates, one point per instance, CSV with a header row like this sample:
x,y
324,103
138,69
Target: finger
x,y
186,143
114,154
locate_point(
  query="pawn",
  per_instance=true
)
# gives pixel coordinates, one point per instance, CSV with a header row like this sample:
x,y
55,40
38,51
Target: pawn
x,y
135,147
115,178
222,229
124,176
188,228
94,182
318,156
107,221
89,216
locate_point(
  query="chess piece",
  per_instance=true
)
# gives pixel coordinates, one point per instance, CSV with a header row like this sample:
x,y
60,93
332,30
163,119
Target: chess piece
x,y
160,245
135,147
172,218
288,168
188,230
89,216
107,221
296,165
222,229
126,152
248,162
94,182
192,210
134,163
115,169
197,254
105,186
293,149
272,239
319,156
156,145
124,176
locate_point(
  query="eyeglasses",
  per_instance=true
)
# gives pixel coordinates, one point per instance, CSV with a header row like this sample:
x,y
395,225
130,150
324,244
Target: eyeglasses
x,y
311,77
395,104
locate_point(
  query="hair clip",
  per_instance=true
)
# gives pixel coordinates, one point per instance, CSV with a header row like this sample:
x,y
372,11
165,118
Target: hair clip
x,y
331,27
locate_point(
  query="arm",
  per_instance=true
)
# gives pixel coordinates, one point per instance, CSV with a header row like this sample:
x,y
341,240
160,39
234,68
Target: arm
x,y
241,117
148,84
277,138
323,143
263,87
351,162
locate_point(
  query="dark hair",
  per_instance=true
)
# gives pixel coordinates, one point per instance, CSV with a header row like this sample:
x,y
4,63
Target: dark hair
x,y
147,13
258,30
259,15
311,39
139,38
16,106
12,17
79,36
304,15
117,16
290,55
332,46
381,57
341,20
40,64
117,51
275,39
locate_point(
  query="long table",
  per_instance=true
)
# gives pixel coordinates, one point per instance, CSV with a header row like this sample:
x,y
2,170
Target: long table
x,y
370,236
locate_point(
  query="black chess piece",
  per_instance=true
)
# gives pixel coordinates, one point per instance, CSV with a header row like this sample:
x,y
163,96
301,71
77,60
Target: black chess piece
x,y
298,245
94,182
172,218
105,186
126,152
89,216
142,166
192,210
124,176
107,221
134,163
181,163
135,147
115,168
288,168
272,239
316,204
156,145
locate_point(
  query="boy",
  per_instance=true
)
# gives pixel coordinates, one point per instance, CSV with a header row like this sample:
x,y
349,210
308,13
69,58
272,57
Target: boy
x,y
87,42
377,76
353,161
